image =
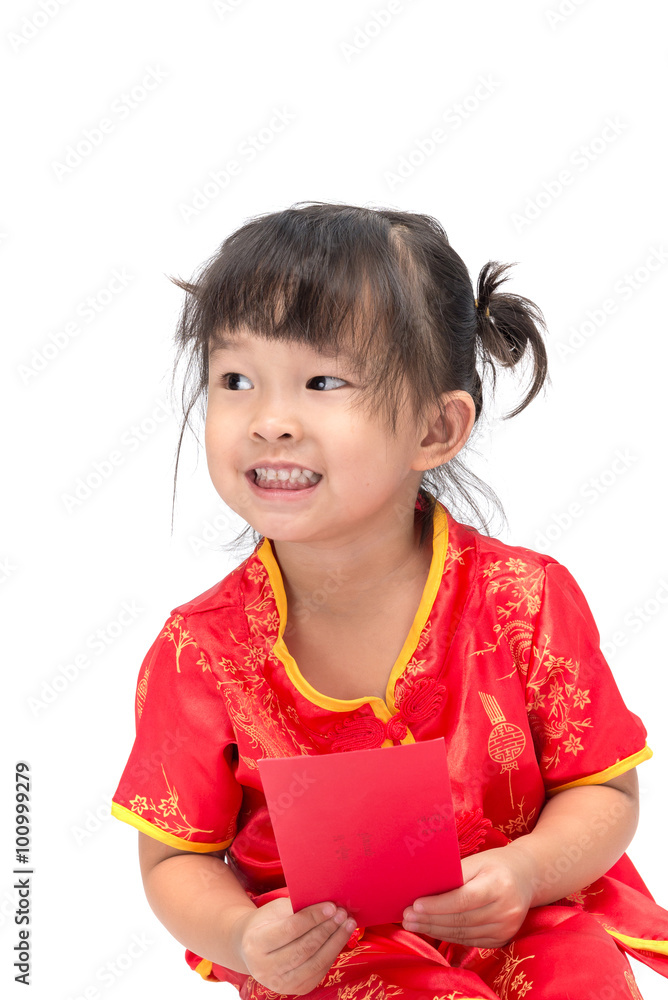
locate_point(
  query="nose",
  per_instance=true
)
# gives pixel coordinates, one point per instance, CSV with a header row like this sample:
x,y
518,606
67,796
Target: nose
x,y
275,418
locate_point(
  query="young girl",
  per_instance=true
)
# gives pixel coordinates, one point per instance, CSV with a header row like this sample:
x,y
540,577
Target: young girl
x,y
337,346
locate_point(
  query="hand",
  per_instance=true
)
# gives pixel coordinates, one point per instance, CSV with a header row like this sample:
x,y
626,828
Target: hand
x,y
487,910
291,952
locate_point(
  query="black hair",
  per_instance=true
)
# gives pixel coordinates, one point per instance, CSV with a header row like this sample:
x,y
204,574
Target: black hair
x,y
387,287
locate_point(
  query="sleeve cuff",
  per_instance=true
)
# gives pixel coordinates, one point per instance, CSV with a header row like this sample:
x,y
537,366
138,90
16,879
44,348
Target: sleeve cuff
x,y
610,772
127,816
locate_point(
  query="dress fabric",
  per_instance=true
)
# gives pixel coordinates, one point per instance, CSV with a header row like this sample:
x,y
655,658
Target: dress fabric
x,y
503,660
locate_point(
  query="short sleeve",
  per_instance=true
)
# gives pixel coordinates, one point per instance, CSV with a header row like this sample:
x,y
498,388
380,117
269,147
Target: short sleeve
x,y
583,733
178,784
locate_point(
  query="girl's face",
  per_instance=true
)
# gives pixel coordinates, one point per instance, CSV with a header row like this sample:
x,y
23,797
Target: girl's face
x,y
273,405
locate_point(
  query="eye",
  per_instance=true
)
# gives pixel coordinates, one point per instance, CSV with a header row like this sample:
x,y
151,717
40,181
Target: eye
x,y
231,377
324,378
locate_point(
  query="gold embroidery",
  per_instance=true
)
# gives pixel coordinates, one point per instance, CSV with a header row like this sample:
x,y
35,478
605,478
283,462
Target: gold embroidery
x,y
632,985
203,661
263,626
168,807
580,895
455,555
519,822
179,636
520,983
563,696
142,688
376,989
523,588
506,740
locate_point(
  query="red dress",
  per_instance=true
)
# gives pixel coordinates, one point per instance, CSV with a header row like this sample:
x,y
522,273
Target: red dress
x,y
503,660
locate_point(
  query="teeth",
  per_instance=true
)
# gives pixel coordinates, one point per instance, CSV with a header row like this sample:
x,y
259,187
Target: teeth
x,y
295,476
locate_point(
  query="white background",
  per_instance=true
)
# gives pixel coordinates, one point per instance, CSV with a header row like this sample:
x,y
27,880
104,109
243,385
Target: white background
x,y
361,98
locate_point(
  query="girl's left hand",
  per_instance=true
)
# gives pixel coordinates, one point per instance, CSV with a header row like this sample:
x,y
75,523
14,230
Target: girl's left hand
x,y
487,910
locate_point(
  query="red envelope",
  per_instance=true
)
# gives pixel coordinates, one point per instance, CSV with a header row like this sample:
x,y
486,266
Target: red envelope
x,y
370,830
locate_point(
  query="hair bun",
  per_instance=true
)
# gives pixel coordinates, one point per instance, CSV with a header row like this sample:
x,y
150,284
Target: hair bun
x,y
507,325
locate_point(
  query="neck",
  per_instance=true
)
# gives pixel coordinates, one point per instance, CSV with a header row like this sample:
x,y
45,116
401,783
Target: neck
x,y
346,579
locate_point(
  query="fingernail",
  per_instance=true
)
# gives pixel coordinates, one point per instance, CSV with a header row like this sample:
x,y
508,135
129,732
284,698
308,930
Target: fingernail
x,y
350,925
340,916
419,907
328,909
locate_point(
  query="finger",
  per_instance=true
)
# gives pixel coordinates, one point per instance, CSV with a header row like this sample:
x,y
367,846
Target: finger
x,y
311,920
312,956
490,935
472,895
463,918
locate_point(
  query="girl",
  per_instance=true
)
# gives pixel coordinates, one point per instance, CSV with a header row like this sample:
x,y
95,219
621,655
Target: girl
x,y
337,346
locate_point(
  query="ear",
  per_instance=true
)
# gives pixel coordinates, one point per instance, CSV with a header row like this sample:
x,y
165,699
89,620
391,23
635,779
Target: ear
x,y
446,435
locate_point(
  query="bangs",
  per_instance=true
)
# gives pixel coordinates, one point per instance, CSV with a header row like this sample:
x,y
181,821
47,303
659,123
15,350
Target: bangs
x,y
338,279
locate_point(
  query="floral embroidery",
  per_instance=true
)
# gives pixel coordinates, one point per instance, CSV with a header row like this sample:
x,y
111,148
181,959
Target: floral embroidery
x,y
168,807
522,588
375,989
552,732
456,555
203,661
580,698
255,570
518,823
502,984
179,636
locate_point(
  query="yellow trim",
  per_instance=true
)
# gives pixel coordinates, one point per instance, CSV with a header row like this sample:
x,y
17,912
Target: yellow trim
x,y
204,968
439,549
127,816
643,944
610,772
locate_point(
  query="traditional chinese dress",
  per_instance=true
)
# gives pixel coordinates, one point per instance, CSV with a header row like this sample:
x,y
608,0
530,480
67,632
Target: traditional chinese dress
x,y
503,660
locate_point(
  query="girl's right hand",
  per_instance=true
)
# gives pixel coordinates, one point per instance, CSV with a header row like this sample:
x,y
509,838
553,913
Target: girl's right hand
x,y
291,952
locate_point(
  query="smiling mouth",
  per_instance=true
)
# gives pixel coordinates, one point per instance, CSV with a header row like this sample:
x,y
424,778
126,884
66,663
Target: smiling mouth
x,y
284,479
